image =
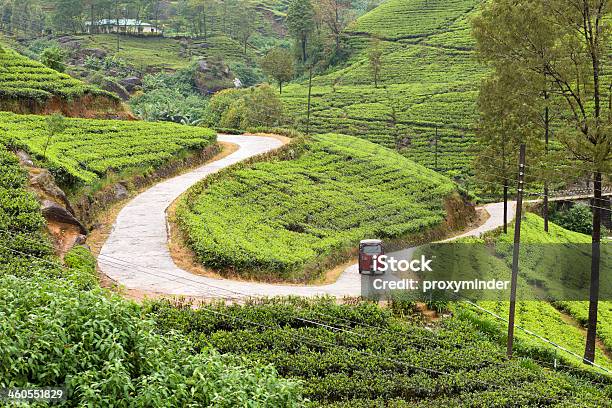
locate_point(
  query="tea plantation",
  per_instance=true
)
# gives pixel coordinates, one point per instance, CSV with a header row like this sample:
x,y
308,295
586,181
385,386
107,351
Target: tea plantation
x,y
59,327
85,151
361,355
429,79
293,215
543,266
23,78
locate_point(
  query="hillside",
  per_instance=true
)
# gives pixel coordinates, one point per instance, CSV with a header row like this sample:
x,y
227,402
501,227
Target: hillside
x,y
429,79
60,328
553,262
297,213
27,86
86,151
361,355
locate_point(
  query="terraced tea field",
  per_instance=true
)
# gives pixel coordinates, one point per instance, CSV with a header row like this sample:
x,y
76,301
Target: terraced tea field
x,y
429,80
87,150
22,78
361,355
287,218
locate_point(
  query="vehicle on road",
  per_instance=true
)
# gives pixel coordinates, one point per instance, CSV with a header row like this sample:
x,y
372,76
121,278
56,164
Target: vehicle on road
x,y
369,249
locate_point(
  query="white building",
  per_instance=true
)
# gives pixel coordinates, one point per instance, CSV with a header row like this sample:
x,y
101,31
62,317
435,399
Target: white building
x,y
122,25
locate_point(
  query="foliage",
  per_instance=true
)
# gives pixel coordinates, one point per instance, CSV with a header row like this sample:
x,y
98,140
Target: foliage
x,y
241,109
291,215
60,328
278,64
301,23
577,218
360,355
88,150
21,77
53,57
429,70
374,57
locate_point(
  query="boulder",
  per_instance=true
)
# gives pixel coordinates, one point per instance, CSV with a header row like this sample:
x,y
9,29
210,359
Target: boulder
x,y
55,212
115,88
131,84
94,52
24,158
77,240
43,180
203,66
120,192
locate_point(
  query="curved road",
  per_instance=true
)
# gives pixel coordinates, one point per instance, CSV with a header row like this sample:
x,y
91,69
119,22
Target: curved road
x,y
136,253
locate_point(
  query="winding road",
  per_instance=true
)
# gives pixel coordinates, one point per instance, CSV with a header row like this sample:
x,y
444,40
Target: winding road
x,y
136,253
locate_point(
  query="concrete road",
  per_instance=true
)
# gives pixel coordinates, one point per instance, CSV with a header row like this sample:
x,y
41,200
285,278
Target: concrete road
x,y
136,253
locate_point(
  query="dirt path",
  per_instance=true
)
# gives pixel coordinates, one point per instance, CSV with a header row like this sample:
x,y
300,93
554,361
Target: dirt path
x,y
136,254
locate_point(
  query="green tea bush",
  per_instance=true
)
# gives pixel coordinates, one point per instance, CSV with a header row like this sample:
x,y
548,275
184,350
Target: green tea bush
x,y
88,150
22,77
288,216
360,355
59,328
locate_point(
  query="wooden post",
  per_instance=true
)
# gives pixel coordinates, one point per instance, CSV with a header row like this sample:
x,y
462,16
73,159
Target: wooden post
x,y
515,252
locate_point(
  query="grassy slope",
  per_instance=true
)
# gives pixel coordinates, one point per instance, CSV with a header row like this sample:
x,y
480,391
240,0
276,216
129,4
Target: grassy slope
x,y
155,53
542,317
429,76
276,218
24,78
88,150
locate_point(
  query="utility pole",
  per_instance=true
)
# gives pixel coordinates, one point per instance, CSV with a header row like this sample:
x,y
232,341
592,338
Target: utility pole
x,y
505,170
309,94
546,137
515,252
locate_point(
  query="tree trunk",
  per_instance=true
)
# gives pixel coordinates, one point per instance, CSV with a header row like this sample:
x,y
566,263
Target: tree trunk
x,y
304,49
589,351
280,86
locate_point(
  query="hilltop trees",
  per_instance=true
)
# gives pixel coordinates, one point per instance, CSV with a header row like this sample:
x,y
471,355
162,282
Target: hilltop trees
x,y
564,42
301,23
278,64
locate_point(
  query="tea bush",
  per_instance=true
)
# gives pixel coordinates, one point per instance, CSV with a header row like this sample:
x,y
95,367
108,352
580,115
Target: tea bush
x,y
360,355
87,150
22,77
429,80
59,328
288,216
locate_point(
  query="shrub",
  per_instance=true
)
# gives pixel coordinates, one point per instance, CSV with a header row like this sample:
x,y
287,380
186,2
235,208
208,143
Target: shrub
x,y
577,218
54,57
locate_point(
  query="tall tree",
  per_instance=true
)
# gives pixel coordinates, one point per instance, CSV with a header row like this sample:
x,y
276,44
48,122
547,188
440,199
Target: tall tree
x,y
575,35
278,64
301,23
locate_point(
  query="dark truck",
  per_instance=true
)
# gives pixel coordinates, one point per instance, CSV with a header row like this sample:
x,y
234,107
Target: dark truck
x,y
368,249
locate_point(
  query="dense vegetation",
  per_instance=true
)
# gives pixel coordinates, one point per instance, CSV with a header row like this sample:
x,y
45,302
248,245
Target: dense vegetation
x,y
360,355
292,213
87,150
553,262
60,328
23,78
428,79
